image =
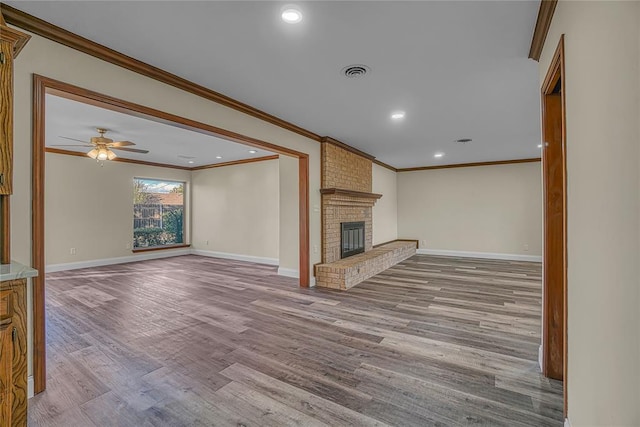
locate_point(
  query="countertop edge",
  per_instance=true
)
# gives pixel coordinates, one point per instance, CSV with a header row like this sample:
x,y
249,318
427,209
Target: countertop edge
x,y
16,271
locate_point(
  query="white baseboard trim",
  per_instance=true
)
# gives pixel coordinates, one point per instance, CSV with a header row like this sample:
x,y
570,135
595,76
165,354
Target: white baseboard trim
x,y
288,272
237,257
485,255
52,268
30,387
567,423
312,282
540,357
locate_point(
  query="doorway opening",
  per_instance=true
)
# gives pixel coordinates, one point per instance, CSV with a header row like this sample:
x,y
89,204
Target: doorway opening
x,y
43,86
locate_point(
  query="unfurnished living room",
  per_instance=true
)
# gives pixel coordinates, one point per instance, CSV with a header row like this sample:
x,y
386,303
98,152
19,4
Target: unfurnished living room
x,y
320,213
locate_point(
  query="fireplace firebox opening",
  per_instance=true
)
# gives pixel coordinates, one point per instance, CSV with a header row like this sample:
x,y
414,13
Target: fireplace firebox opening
x,y
351,238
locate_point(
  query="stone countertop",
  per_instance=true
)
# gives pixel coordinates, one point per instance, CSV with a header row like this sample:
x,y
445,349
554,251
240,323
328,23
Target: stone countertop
x,y
15,271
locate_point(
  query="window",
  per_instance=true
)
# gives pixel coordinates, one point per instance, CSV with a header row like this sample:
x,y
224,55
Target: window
x,y
158,213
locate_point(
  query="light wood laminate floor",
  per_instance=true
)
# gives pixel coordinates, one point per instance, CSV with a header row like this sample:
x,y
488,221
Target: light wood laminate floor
x,y
195,341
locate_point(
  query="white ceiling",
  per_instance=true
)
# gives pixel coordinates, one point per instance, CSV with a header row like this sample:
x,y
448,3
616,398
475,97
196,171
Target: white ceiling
x,y
165,143
459,69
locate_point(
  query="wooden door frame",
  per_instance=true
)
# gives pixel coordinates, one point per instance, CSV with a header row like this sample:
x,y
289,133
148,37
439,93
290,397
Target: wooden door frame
x,y
555,295
44,85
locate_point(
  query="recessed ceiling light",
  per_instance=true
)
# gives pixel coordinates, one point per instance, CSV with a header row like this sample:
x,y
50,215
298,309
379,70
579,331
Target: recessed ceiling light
x,y
291,16
218,157
253,151
397,115
438,155
190,162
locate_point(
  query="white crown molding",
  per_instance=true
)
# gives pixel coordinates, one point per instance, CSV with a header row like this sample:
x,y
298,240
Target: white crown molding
x,y
52,268
237,257
485,255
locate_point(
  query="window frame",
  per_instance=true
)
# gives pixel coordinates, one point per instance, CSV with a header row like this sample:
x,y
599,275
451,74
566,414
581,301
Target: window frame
x,y
184,243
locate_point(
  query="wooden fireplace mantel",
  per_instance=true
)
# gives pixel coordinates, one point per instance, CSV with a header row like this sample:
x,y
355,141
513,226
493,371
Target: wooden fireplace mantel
x,y
350,193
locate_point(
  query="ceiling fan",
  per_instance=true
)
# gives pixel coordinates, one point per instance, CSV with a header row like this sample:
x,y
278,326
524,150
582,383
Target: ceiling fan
x,y
101,146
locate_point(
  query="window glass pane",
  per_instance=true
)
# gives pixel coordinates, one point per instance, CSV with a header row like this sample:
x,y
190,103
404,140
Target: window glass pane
x,y
158,213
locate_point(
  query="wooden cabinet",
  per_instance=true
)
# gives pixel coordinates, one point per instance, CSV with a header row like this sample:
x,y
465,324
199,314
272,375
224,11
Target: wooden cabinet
x,y
11,42
6,377
13,353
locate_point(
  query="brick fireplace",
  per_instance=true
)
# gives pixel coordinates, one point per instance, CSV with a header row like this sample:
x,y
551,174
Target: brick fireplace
x,y
347,198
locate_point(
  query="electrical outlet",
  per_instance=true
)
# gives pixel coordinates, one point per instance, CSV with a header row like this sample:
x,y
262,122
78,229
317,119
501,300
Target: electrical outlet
x,y
315,249
72,251
206,242
128,246
526,247
423,243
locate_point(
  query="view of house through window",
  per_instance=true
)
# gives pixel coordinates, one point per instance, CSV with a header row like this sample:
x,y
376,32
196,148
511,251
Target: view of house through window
x,y
158,213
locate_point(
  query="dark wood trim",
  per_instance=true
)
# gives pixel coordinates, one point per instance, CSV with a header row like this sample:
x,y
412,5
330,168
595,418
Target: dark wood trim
x,y
75,93
344,146
303,208
350,193
466,165
236,162
164,165
47,30
160,248
5,228
384,165
543,22
554,172
397,240
117,159
43,85
37,234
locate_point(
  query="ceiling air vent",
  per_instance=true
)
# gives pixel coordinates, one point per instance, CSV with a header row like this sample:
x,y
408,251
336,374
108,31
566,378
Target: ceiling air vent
x,y
355,71
464,140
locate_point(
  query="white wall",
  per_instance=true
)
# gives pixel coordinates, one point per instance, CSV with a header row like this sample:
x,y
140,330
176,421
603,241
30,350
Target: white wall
x,y
385,211
53,60
289,212
496,209
90,208
235,209
602,87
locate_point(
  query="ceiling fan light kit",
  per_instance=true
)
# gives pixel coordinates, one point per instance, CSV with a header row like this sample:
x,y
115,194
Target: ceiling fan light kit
x,y
102,147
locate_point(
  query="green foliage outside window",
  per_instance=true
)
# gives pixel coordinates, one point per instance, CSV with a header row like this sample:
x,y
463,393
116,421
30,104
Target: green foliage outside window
x,y
158,213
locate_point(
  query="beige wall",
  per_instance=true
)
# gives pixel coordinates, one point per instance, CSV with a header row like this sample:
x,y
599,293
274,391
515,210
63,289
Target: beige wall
x,y
289,263
385,211
496,209
90,208
602,90
235,209
53,60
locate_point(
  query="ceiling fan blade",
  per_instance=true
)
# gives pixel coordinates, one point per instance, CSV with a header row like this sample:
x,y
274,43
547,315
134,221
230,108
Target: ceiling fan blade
x,y
70,145
121,143
73,139
133,150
